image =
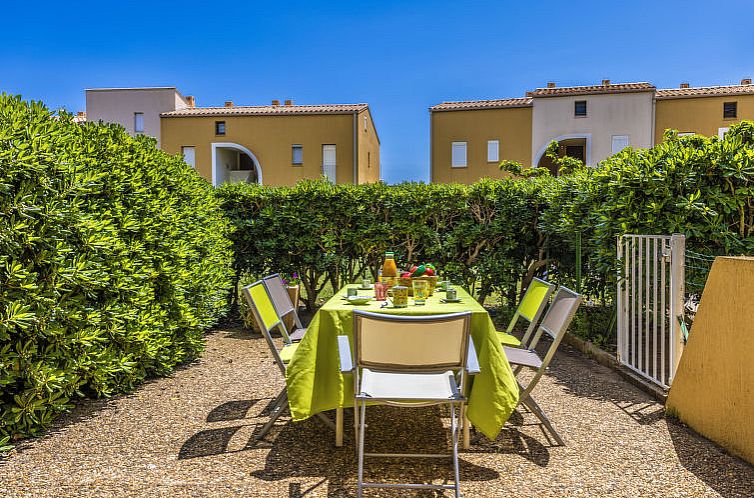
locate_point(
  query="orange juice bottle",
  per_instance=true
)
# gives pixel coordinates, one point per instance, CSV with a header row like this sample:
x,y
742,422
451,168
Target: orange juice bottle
x,y
389,270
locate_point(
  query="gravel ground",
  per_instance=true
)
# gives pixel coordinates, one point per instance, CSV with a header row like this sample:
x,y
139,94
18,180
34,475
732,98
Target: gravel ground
x,y
190,435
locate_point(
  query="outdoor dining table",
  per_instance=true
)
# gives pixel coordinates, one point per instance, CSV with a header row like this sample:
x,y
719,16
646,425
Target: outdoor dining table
x,y
315,383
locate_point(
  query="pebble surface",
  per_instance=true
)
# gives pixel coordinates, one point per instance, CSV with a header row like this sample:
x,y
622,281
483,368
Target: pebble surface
x,y
190,435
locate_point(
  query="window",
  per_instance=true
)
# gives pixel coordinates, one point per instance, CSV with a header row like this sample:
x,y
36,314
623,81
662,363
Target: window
x,y
329,162
493,151
579,108
458,155
219,127
620,142
686,134
138,122
730,110
369,159
365,124
189,155
297,153
722,131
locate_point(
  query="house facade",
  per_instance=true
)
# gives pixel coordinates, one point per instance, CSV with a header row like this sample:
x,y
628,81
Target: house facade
x,y
470,139
276,144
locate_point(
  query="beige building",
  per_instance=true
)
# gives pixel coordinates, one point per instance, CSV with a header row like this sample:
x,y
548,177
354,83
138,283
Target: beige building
x,y
137,109
470,139
277,144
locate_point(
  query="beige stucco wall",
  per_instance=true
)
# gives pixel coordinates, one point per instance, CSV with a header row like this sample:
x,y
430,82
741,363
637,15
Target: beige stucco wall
x,y
703,115
511,126
270,139
113,105
713,390
369,149
607,115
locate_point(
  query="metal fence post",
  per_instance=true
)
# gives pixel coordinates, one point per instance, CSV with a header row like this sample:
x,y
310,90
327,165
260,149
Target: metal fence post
x,y
578,262
677,292
619,301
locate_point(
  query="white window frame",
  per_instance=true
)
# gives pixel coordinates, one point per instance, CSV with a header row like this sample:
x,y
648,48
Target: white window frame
x,y
189,158
294,148
686,134
619,138
456,159
493,151
138,122
722,131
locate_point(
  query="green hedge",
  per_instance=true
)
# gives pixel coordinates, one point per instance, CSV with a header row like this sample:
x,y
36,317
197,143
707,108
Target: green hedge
x,y
495,235
114,258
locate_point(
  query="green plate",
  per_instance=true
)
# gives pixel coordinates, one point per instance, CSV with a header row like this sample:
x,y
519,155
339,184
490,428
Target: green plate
x,y
357,300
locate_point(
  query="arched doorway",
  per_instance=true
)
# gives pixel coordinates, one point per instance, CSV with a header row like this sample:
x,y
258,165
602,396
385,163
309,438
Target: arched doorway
x,y
576,146
234,163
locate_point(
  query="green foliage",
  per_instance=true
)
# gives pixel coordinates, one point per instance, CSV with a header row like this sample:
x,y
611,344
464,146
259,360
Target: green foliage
x,y
113,260
495,235
485,235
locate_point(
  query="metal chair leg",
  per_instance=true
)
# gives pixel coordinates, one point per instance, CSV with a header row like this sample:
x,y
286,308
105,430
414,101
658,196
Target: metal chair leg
x,y
362,422
533,407
277,410
454,431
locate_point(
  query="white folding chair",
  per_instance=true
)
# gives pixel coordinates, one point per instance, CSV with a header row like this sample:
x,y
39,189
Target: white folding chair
x,y
267,319
284,307
555,324
409,361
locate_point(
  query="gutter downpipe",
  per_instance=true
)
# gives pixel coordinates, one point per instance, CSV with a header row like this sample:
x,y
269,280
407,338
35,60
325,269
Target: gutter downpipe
x,y
355,147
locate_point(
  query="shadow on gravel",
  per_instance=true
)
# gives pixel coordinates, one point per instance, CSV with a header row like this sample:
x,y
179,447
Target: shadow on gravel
x,y
728,475
232,410
208,442
305,449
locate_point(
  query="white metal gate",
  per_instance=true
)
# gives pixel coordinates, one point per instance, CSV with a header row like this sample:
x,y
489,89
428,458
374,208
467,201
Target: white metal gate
x,y
650,304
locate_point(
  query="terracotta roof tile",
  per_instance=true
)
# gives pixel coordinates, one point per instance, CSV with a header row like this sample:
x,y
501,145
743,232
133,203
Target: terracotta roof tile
x,y
704,91
266,110
592,89
482,104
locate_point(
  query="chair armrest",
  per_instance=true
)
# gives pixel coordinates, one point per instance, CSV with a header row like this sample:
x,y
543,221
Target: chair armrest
x,y
472,362
344,350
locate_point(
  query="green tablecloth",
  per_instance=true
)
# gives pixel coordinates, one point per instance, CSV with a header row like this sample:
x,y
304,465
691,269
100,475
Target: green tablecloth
x,y
315,383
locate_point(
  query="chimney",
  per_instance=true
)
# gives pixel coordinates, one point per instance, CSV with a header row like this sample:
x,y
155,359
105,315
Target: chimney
x,y
746,81
684,85
190,100
275,102
81,114
605,82
228,103
550,84
288,102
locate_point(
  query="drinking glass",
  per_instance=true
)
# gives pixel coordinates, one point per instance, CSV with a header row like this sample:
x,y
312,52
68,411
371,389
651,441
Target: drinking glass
x,y
421,291
400,296
352,291
380,291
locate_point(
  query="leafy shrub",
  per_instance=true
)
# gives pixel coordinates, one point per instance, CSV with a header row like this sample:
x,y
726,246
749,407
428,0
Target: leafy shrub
x,y
114,258
495,235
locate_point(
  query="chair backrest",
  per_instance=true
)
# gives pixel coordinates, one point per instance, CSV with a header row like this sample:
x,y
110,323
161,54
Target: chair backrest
x,y
411,343
531,307
264,314
280,298
555,323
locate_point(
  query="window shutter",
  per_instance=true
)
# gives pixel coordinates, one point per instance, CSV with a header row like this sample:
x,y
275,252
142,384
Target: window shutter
x,y
458,155
493,151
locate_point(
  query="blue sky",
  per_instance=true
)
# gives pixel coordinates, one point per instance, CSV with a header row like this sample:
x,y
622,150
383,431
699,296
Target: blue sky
x,y
400,57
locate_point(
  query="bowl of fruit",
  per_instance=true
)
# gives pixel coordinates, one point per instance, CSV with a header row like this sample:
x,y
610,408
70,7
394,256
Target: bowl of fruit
x,y
424,272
